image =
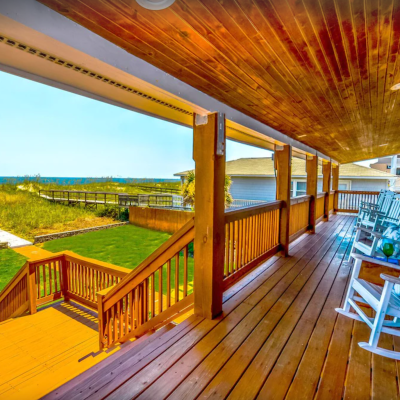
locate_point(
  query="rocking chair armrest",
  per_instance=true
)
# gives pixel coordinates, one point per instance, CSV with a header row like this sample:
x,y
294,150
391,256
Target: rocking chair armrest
x,y
366,230
372,260
391,279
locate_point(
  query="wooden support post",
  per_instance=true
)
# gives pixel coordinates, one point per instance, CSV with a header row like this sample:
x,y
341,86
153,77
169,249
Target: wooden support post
x,y
209,243
31,284
335,186
283,165
100,317
63,264
312,188
326,186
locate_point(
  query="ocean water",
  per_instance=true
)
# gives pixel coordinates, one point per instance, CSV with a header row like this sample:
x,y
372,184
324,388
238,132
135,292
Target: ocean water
x,y
77,180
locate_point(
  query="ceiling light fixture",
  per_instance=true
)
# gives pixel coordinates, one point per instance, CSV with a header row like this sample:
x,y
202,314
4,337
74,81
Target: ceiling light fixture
x,y
383,144
155,4
395,87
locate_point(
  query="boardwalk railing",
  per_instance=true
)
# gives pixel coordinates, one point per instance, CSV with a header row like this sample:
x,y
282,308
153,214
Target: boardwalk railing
x,y
299,220
158,291
251,236
349,200
320,206
65,275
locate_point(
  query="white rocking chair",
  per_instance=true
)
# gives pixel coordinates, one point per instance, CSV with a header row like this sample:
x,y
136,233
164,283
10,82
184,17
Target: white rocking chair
x,y
384,301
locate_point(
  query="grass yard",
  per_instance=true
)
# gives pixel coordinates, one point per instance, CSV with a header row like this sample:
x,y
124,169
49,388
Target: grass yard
x,y
10,263
126,246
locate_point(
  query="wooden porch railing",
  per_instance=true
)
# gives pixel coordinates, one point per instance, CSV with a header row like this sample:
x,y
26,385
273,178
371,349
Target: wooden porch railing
x,y
14,298
349,200
320,206
63,274
251,235
299,221
331,201
155,293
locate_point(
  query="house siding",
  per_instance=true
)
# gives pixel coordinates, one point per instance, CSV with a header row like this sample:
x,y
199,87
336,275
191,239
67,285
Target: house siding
x,y
253,188
369,184
265,188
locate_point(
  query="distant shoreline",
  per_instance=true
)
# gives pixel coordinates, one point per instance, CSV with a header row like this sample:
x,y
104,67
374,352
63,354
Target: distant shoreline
x,y
80,180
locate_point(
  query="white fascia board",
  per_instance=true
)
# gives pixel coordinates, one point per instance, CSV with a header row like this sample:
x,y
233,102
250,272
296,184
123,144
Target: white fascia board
x,y
48,22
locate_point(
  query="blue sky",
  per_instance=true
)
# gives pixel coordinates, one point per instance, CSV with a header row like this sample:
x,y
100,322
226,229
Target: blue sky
x,y
51,132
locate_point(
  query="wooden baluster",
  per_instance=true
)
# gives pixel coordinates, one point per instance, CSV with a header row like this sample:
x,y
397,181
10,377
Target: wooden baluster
x,y
44,280
121,318
168,283
160,289
153,295
50,277
114,324
185,271
126,314
132,310
231,247
239,245
176,277
226,257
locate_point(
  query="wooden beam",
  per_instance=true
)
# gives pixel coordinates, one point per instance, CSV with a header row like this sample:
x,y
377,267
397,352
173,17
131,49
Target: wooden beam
x,y
283,165
335,186
326,186
209,155
312,187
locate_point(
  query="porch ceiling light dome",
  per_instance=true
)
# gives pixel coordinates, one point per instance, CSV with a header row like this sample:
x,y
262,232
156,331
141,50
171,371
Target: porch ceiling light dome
x,y
155,4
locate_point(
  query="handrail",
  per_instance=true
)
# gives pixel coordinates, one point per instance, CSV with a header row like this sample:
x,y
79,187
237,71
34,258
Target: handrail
x,y
251,236
232,215
141,302
14,299
61,274
300,199
321,194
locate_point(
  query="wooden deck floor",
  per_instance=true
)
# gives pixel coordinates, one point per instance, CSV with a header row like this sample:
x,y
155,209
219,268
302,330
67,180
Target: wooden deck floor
x,y
279,338
40,352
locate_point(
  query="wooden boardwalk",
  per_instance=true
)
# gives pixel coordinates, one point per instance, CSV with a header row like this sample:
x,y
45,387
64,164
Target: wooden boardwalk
x,y
279,337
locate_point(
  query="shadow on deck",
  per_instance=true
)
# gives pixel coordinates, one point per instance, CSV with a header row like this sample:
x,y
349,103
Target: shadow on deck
x,y
42,351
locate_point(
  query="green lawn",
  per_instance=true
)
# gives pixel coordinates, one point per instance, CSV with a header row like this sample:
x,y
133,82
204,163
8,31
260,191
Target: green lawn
x,y
125,246
10,263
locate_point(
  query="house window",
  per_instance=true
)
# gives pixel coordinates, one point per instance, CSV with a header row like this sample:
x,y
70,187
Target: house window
x,y
298,188
344,185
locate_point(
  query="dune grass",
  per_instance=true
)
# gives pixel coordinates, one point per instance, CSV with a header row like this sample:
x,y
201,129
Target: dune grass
x,y
26,215
10,263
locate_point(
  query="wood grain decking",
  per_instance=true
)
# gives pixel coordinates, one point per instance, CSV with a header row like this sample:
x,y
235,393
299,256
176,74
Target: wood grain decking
x,y
279,337
42,351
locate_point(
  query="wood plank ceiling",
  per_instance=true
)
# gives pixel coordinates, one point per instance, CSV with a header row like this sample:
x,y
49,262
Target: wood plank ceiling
x,y
318,71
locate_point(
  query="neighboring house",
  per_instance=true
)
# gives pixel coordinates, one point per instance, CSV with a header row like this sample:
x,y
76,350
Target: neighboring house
x,y
254,178
390,164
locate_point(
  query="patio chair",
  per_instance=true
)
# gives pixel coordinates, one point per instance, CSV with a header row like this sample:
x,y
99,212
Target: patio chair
x,y
378,204
368,241
385,301
379,220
